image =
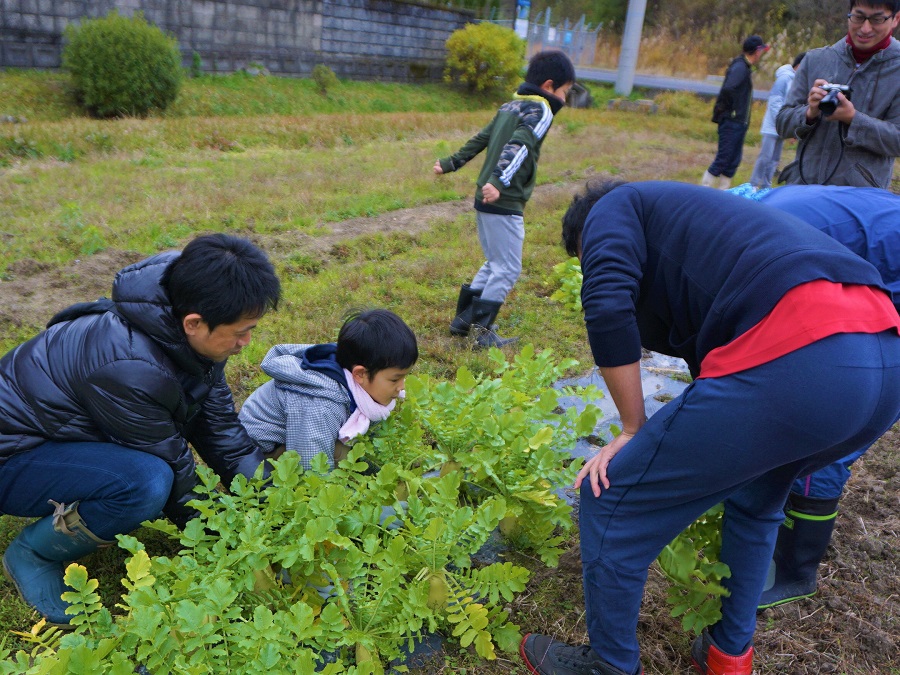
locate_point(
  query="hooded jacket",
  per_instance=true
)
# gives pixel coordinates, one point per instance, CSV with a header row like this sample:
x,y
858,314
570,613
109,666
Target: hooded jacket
x,y
784,77
736,95
512,142
831,153
681,269
123,372
303,406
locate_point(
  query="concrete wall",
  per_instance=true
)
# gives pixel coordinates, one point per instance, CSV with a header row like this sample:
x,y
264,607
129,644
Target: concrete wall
x,y
359,39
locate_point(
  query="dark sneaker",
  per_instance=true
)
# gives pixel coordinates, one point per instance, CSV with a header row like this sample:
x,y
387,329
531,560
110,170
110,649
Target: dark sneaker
x,y
545,656
710,660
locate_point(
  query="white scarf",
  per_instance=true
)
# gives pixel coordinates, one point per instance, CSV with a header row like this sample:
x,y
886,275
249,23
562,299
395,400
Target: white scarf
x,y
367,410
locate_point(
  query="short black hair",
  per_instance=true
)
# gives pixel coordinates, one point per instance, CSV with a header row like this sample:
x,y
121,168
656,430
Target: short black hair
x,y
798,59
375,339
223,279
577,213
550,65
891,5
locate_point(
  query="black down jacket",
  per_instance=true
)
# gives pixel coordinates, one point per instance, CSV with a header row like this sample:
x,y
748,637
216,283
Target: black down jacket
x,y
127,376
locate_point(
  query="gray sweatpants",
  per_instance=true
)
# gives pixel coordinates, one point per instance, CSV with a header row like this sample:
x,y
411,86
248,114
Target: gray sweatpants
x,y
501,239
767,162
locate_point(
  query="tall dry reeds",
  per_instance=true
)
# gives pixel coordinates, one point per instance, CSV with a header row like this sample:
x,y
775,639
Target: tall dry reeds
x,y
704,51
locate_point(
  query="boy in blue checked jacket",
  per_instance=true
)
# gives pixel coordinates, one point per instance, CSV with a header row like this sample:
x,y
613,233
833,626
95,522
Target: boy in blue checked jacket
x,y
512,142
323,396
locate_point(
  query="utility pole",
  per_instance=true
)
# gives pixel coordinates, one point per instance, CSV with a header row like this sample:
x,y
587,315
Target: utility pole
x,y
631,43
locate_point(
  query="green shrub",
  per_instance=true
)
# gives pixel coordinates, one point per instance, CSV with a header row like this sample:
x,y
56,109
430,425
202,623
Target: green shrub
x,y
122,66
324,78
484,56
196,65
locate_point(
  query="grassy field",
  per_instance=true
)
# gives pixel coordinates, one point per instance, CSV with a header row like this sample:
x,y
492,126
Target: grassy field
x,y
277,162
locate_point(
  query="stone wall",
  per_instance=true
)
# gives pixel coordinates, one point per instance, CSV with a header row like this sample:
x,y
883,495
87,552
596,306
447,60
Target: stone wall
x,y
359,39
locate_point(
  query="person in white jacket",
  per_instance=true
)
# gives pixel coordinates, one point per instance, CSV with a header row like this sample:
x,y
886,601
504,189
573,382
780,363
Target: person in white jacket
x,y
322,397
770,150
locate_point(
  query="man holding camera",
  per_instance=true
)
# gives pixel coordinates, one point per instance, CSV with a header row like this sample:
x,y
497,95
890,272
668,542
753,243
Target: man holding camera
x,y
843,141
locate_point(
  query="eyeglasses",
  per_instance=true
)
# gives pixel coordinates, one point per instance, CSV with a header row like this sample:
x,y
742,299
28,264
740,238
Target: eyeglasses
x,y
875,19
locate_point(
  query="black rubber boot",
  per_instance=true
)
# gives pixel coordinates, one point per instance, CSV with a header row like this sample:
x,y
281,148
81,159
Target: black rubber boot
x,y
460,324
802,541
34,560
484,312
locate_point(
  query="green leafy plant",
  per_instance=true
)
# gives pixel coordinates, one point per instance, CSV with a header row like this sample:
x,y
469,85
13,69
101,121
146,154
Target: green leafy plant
x,y
275,572
17,146
567,279
324,78
484,56
503,433
122,66
691,563
76,234
196,65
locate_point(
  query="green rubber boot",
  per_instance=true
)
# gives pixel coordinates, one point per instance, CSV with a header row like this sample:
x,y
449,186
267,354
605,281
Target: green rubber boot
x,y
34,560
802,541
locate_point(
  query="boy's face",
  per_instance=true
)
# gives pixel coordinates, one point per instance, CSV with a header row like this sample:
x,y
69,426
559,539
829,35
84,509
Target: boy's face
x,y
563,91
385,386
559,92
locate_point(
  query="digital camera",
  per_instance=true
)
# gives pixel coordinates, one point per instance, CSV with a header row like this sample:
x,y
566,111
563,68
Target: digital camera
x,y
830,102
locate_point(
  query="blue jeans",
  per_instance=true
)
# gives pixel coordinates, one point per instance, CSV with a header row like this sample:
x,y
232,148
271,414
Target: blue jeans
x,y
118,488
731,148
827,483
741,439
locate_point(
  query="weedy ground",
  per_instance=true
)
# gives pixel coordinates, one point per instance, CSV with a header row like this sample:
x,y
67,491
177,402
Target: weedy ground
x,y
339,189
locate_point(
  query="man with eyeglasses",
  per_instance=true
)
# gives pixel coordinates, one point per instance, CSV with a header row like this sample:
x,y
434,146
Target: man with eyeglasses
x,y
856,143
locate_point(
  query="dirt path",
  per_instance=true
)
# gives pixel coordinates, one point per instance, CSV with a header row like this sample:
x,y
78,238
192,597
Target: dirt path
x,y
34,291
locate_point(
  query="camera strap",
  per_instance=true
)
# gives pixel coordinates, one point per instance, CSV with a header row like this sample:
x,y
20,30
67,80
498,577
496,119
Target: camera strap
x,y
840,131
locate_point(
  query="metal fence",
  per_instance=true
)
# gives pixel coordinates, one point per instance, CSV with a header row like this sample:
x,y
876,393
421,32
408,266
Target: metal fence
x,y
578,41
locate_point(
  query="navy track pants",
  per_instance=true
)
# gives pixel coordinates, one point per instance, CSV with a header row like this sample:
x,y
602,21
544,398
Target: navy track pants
x,y
741,439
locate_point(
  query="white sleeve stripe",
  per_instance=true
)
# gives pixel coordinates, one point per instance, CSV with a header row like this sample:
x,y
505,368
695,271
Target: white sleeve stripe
x,y
509,172
541,128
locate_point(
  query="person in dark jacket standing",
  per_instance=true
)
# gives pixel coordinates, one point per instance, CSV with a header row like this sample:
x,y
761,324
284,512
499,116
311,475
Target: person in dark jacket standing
x,y
793,343
101,408
512,142
732,113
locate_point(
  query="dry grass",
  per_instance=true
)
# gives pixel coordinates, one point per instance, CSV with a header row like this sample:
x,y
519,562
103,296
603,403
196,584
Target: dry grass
x,y
707,52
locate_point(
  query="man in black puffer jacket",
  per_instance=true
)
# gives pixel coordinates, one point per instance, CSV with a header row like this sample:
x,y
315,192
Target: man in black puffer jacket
x,y
98,412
